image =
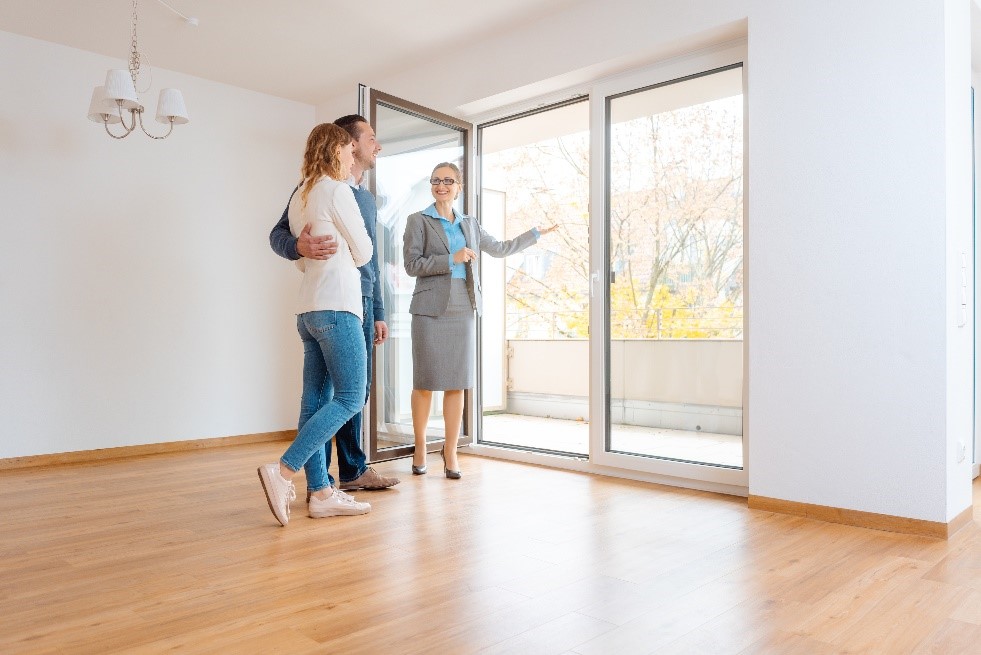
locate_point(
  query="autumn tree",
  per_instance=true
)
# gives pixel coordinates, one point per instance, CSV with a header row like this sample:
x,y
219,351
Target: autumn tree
x,y
675,227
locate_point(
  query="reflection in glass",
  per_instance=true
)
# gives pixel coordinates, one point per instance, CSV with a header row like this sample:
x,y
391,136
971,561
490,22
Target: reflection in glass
x,y
411,148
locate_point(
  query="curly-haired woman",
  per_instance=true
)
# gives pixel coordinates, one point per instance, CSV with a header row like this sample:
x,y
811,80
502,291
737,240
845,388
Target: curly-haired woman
x,y
329,322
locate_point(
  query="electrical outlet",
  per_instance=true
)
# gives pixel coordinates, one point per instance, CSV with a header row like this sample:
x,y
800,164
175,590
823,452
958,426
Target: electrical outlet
x,y
961,451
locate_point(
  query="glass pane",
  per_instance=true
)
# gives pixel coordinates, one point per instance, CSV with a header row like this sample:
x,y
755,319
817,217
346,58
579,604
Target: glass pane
x,y
535,325
676,260
411,147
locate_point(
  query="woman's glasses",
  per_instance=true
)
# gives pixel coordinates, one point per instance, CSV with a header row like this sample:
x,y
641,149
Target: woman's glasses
x,y
448,181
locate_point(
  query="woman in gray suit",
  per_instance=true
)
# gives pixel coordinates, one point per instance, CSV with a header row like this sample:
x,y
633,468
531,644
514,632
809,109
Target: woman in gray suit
x,y
440,249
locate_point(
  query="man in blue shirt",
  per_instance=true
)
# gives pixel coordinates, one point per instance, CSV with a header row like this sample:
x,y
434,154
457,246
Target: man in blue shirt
x,y
351,461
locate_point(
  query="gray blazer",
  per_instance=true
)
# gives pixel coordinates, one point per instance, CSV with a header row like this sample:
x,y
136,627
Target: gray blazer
x,y
424,252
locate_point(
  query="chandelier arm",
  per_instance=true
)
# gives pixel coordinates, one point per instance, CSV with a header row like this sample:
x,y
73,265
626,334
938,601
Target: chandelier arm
x,y
122,121
132,116
140,114
105,121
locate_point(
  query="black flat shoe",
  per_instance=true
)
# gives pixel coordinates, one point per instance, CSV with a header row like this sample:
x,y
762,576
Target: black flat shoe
x,y
449,473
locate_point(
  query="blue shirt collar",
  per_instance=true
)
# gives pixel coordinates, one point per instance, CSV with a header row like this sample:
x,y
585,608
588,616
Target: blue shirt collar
x,y
432,213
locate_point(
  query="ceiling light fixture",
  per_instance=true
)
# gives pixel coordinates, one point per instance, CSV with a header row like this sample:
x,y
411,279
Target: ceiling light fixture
x,y
119,93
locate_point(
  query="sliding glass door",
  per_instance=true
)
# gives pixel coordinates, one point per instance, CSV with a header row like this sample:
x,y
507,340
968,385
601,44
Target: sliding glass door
x,y
668,264
534,354
675,189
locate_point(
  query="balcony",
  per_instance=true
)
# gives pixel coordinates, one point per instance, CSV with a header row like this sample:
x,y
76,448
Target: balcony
x,y
677,399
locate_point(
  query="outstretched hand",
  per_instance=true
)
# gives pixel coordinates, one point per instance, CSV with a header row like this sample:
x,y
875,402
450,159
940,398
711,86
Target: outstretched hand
x,y
551,228
311,247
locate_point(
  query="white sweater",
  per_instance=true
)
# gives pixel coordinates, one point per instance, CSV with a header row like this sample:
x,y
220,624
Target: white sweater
x,y
333,283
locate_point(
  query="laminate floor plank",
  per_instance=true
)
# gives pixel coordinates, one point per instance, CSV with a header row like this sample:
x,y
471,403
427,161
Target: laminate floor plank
x,y
178,552
788,643
552,638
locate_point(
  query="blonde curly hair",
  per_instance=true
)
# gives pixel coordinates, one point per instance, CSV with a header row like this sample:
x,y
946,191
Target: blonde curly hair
x,y
322,156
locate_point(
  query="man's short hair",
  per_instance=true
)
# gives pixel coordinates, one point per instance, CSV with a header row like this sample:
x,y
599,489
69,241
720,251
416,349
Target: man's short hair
x,y
352,124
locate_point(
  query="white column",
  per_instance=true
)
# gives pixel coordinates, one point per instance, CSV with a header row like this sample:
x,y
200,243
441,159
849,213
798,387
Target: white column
x,y
858,131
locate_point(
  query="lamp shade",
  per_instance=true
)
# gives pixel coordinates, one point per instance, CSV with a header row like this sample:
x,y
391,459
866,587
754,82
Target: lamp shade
x,y
119,86
101,109
171,106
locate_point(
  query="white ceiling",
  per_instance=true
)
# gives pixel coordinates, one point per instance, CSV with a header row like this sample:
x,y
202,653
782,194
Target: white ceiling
x,y
305,50
310,51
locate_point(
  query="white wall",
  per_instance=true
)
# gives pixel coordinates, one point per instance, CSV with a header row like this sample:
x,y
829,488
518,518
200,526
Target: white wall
x,y
976,281
140,300
854,206
960,244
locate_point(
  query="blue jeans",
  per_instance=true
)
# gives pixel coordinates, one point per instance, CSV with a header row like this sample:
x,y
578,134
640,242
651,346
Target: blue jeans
x,y
351,460
333,347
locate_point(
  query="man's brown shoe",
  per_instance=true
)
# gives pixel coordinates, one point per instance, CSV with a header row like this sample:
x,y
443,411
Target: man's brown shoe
x,y
370,479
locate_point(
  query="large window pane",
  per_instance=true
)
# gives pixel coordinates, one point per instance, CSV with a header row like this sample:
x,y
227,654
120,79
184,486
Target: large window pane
x,y
676,264
535,326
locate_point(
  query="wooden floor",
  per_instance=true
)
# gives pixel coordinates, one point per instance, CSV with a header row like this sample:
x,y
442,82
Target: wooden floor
x,y
179,553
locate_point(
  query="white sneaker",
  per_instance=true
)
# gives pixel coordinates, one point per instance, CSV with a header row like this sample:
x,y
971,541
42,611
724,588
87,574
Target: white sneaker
x,y
346,496
336,504
336,491
279,491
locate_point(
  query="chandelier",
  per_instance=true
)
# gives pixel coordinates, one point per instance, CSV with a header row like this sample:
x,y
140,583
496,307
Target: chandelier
x,y
119,94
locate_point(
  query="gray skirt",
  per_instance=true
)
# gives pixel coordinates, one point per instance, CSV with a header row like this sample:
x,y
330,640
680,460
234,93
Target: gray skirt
x,y
444,347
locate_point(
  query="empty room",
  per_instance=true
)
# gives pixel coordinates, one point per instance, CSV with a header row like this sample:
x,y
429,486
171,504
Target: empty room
x,y
666,339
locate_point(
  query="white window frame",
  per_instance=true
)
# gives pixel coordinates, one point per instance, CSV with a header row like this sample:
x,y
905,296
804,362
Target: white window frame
x,y
670,471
